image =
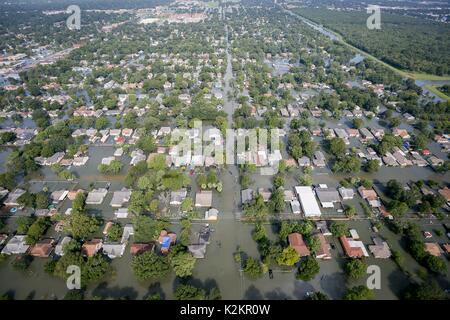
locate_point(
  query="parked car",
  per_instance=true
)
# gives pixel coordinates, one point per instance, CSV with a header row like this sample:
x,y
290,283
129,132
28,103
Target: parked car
x,y
427,234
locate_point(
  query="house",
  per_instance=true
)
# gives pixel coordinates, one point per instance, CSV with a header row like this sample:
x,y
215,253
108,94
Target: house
x,y
266,194
54,159
166,239
353,248
370,196
96,196
138,248
212,214
11,200
42,249
323,228
324,251
80,161
121,213
296,241
319,159
118,152
327,197
445,192
91,247
72,194
308,201
366,135
380,249
295,206
16,245
107,161
58,196
114,250
304,162
289,195
59,249
433,248
120,198
203,198
401,133
128,231
435,161
346,193
177,197
246,196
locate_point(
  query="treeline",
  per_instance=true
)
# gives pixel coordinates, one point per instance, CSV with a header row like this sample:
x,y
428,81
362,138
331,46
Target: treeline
x,y
404,42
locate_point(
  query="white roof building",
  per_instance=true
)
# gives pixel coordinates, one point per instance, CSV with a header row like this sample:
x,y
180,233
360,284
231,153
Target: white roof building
x,y
308,201
16,245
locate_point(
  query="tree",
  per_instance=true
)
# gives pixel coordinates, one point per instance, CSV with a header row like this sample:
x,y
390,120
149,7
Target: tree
x,y
27,200
436,264
372,166
115,232
79,203
147,229
80,225
36,230
253,268
357,123
188,292
426,291
150,265
147,144
350,211
337,147
317,296
187,204
359,293
288,257
183,264
398,208
260,232
308,269
101,123
23,223
338,229
355,268
256,210
277,202
42,201
94,269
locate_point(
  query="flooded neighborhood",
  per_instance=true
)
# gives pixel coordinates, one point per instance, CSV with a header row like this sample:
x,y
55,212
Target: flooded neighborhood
x,y
121,159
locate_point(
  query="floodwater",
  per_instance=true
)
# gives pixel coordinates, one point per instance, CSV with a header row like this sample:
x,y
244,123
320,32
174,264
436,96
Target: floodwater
x,y
219,268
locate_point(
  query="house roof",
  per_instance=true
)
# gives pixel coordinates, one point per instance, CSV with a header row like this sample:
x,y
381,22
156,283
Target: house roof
x,y
324,250
327,195
90,248
296,241
433,248
247,195
96,196
43,248
445,192
16,245
59,249
203,198
138,248
380,249
350,250
120,197
114,250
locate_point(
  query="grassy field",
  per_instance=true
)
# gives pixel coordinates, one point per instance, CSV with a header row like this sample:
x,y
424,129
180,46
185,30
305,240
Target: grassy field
x,y
436,91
